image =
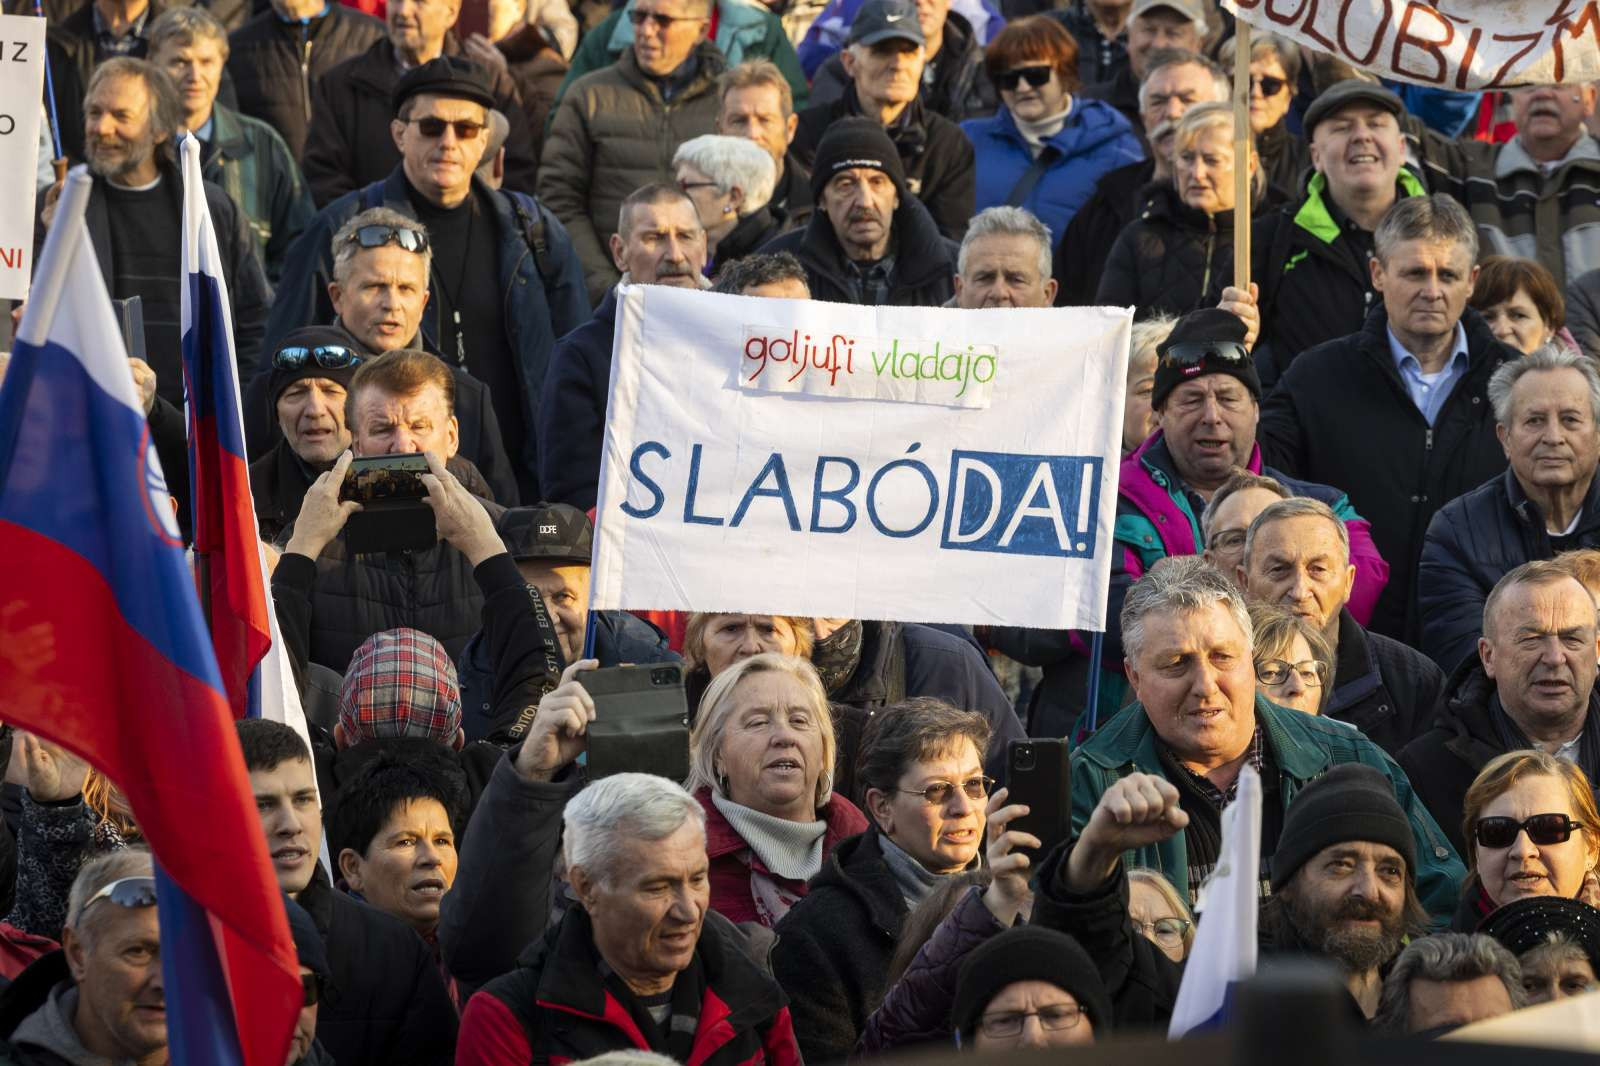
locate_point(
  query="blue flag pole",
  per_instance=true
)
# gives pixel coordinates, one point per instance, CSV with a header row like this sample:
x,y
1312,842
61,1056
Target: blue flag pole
x,y
1097,641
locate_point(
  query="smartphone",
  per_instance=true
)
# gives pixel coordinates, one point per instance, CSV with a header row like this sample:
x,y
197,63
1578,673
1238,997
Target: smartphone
x,y
378,478
641,720
394,514
1038,774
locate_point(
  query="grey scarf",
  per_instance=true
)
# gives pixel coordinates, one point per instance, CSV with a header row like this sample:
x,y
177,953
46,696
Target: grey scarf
x,y
916,881
791,850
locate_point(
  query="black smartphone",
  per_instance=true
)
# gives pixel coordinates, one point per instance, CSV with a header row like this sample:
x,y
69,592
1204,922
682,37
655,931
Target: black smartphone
x,y
641,720
394,514
377,478
1038,774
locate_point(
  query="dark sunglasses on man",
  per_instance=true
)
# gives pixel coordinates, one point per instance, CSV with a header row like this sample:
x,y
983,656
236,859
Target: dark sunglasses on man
x,y
1038,77
377,235
327,356
1268,85
662,22
433,127
129,892
1195,353
1543,829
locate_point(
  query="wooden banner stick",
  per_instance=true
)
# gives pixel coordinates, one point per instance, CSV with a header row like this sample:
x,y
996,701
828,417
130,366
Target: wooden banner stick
x,y
1241,155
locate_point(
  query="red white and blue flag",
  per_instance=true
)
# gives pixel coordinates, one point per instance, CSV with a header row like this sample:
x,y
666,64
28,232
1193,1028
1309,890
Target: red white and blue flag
x,y
118,666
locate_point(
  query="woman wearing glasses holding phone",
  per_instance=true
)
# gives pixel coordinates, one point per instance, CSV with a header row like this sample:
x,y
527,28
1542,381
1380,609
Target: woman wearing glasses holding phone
x,y
1274,76
1045,148
1532,830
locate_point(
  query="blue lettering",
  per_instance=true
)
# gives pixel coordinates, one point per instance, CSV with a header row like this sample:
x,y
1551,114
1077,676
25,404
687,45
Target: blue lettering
x,y
774,467
840,496
933,496
636,468
689,517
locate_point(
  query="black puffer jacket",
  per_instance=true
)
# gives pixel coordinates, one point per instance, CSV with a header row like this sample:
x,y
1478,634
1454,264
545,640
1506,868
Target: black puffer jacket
x,y
834,947
1473,542
746,238
924,260
275,65
1583,312
1342,416
1382,687
1080,258
1171,259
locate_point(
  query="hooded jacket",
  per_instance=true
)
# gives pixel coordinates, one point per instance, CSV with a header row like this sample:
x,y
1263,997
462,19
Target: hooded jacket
x,y
924,259
1095,139
1474,541
1342,415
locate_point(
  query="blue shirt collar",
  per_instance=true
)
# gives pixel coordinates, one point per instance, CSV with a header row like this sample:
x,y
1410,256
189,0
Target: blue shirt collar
x,y
1405,362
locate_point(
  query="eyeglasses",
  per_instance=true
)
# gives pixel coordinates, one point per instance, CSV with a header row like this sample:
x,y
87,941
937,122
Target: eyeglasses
x,y
376,236
1276,672
662,22
1269,86
938,793
1168,932
1195,353
432,127
1038,77
311,986
1228,540
687,185
1061,1016
1543,829
127,892
327,356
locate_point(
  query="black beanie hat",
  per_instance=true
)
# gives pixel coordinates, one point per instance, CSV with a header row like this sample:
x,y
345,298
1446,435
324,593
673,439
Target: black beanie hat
x,y
1028,953
855,142
1527,923
308,943
1352,801
1207,341
309,337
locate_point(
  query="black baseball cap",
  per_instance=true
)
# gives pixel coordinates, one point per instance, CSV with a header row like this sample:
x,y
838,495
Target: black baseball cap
x,y
1343,94
547,533
884,20
450,76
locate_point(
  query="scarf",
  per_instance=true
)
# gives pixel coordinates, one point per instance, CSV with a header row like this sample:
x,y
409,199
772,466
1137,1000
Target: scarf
x,y
837,655
1513,739
1037,132
791,850
916,881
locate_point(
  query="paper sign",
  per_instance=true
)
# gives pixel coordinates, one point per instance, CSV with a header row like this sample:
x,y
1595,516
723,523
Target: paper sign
x,y
21,91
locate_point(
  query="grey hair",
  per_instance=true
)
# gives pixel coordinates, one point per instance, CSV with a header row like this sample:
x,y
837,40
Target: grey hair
x,y
657,192
620,807
182,26
1549,357
166,108
1241,481
731,161
1435,218
346,248
1262,45
1182,57
1445,957
1007,221
1295,507
101,871
1147,336
717,707
1180,583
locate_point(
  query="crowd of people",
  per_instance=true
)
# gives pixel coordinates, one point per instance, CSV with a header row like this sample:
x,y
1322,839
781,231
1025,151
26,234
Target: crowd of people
x,y
1357,536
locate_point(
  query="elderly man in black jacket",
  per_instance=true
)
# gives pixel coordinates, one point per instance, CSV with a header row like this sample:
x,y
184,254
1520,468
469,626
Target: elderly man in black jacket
x,y
1547,415
1297,555
869,242
1396,414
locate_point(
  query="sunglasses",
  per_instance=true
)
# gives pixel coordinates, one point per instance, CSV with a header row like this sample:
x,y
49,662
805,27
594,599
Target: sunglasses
x,y
1269,86
938,793
376,236
433,127
1542,829
127,892
1193,354
327,356
662,22
1037,77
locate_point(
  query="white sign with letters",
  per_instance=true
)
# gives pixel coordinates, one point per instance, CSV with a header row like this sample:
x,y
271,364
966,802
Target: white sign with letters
x,y
21,89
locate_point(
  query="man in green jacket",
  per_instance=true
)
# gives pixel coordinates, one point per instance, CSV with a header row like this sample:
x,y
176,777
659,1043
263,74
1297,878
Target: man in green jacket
x,y
1198,721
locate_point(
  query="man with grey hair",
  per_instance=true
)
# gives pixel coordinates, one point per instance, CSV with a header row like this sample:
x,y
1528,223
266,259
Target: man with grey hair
x,y
1448,980
1004,261
1547,416
1297,556
1396,414
1198,721
642,944
101,998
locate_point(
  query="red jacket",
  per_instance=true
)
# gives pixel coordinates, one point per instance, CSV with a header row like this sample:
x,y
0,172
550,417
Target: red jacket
x,y
730,872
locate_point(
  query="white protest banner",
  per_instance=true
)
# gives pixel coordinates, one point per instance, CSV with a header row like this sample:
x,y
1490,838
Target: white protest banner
x,y
828,460
21,92
1462,45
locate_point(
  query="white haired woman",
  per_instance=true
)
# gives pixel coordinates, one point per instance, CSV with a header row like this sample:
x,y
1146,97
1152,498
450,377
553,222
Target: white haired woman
x,y
730,180
762,756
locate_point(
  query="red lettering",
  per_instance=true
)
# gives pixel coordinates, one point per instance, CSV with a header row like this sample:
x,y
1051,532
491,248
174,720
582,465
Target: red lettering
x,y
11,257
1466,61
1285,20
1533,40
1377,34
1309,28
1404,36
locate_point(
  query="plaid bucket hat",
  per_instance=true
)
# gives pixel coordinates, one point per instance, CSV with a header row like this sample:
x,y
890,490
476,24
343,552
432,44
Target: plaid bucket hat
x,y
401,683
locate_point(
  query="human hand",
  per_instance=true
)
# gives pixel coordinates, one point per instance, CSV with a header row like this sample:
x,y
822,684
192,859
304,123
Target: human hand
x,y
323,514
1008,894
1243,304
459,517
51,196
1137,810
560,727
145,378
54,773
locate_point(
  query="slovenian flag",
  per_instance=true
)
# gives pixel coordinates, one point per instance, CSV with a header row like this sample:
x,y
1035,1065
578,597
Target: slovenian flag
x,y
117,665
1224,951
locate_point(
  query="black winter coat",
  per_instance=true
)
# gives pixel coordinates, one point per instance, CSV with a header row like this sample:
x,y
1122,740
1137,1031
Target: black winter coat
x,y
834,947
958,89
276,65
1170,260
1382,687
1473,542
392,1008
1342,416
1583,312
1080,258
941,166
349,145
924,260
571,424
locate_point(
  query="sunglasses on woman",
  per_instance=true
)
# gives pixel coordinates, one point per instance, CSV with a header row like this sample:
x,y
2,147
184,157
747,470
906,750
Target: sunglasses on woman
x,y
1038,77
1542,829
938,793
1268,85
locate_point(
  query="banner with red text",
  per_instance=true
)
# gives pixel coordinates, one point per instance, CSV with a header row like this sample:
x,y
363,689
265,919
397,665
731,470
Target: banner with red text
x,y
21,90
900,463
1463,45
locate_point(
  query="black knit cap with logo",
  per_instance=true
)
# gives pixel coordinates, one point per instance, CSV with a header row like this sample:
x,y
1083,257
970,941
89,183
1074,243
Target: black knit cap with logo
x,y
852,143
1182,356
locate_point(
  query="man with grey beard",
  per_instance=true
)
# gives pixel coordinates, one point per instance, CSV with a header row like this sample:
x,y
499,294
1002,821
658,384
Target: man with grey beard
x,y
131,116
659,241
